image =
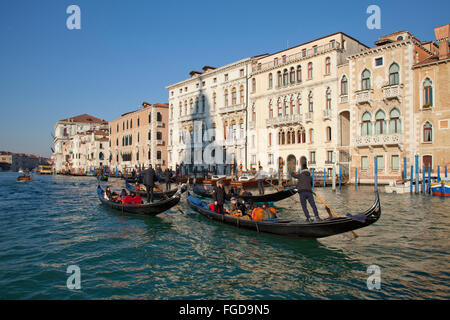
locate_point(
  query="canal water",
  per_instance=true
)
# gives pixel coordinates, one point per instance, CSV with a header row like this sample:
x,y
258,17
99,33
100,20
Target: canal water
x,y
54,222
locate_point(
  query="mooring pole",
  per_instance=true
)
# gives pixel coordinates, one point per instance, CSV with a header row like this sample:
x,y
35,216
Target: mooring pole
x,y
324,178
416,189
313,177
376,173
405,169
356,179
429,179
411,177
423,179
340,173
439,174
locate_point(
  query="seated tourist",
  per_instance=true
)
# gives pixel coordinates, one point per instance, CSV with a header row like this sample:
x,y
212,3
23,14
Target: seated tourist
x,y
268,212
211,207
137,187
128,199
107,194
137,199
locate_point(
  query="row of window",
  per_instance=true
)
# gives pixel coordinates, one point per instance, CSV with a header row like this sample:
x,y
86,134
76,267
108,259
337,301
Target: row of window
x,y
129,123
381,122
128,139
394,163
128,156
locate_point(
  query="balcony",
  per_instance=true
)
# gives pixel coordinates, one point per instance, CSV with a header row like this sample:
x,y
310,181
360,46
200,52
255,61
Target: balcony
x,y
344,99
378,140
296,57
232,108
159,142
252,125
284,120
309,117
364,96
193,116
160,124
327,114
391,92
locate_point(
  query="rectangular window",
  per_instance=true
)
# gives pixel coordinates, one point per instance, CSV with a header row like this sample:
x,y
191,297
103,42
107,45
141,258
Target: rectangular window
x,y
270,158
378,62
380,163
275,62
284,59
395,165
330,156
226,77
241,72
312,157
364,163
304,53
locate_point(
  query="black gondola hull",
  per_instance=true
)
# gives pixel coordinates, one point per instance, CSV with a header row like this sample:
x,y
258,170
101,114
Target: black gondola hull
x,y
146,209
297,229
270,197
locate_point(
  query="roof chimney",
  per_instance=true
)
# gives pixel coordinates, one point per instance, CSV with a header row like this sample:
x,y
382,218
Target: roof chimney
x,y
443,37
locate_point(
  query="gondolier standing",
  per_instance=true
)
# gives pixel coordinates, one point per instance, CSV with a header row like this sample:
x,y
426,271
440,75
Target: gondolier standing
x,y
260,177
219,196
149,177
304,187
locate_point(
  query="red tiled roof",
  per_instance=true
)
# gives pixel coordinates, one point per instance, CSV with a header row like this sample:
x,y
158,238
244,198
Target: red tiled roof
x,y
85,118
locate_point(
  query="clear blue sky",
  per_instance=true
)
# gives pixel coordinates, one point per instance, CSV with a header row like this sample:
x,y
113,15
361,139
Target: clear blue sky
x,y
128,51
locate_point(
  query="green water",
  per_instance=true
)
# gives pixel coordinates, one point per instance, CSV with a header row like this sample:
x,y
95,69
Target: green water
x,y
54,222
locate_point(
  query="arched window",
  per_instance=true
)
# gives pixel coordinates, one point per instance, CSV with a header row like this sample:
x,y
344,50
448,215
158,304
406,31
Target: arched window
x,y
233,96
286,107
226,97
328,99
366,126
327,65
301,136
203,103
180,105
292,75
380,123
310,102
254,85
280,108
328,132
299,73
288,140
311,135
270,80
149,117
270,139
270,110
394,75
428,93
299,104
185,107
427,132
310,71
394,121
365,80
214,100
196,105
285,77
344,86
279,77
241,94
159,116
191,106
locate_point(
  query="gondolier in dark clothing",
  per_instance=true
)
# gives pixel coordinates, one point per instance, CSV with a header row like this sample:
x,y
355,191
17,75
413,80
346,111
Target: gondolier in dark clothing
x,y
167,177
304,187
219,196
149,177
260,177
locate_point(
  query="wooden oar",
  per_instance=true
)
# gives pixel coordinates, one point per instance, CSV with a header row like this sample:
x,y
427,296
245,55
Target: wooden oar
x,y
334,213
165,195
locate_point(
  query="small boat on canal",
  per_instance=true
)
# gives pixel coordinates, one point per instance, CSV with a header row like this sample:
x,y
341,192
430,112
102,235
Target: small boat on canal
x,y
441,189
156,194
25,177
269,197
295,228
146,208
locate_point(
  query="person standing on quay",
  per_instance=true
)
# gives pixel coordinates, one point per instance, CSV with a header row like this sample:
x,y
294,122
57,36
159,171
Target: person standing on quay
x,y
149,177
167,176
304,187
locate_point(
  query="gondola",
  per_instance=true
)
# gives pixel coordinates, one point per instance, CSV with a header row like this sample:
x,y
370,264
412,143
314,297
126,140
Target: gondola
x,y
146,208
294,228
156,194
270,197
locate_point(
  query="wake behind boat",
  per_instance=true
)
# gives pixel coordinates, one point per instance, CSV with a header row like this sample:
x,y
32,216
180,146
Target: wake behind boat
x,y
293,228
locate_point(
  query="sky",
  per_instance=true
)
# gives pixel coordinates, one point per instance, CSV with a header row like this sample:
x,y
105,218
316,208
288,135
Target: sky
x,y
128,51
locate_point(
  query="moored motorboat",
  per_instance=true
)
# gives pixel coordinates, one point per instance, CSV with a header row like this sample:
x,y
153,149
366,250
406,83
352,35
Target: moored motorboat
x,y
294,228
441,188
146,208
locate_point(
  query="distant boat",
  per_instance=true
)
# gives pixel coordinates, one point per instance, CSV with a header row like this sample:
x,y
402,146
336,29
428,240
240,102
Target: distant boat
x,y
25,177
